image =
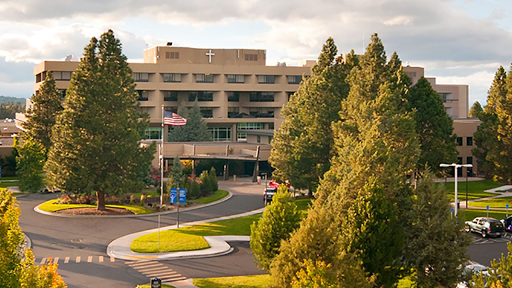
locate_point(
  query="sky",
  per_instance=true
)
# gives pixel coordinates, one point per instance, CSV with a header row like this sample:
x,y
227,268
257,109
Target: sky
x,y
456,41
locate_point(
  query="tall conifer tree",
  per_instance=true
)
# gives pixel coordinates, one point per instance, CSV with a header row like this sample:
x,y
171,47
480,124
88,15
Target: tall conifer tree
x,y
96,137
196,129
433,125
487,137
302,145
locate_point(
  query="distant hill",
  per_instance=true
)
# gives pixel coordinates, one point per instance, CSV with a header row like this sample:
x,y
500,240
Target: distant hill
x,y
14,100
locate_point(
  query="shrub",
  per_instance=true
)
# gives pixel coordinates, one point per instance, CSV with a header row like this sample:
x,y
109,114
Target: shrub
x,y
194,190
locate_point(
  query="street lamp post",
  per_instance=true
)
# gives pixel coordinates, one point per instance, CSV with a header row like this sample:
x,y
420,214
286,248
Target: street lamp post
x,y
455,167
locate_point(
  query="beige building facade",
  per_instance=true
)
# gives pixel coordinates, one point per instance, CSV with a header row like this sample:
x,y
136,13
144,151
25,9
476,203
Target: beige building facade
x,y
240,97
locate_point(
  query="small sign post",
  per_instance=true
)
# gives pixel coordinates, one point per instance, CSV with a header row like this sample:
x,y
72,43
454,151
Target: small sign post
x,y
507,210
156,283
451,210
487,210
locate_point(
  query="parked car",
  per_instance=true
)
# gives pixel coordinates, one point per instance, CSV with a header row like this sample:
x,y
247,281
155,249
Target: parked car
x,y
470,270
507,223
486,226
269,194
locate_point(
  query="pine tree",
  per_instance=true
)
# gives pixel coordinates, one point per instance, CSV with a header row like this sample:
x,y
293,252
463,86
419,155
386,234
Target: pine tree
x,y
487,137
433,125
316,242
376,147
47,104
196,129
476,110
501,273
435,248
279,220
301,148
96,137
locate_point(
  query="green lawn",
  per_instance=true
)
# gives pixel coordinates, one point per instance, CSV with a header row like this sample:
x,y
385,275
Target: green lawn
x,y
493,203
253,281
475,189
219,194
236,226
256,281
50,206
470,214
4,184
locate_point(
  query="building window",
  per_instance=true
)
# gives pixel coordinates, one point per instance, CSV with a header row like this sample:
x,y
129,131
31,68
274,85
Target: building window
x,y
459,141
290,95
266,79
141,77
271,126
250,126
261,97
447,97
233,96
172,77
233,112
236,78
172,55
207,112
270,139
170,95
294,79
262,112
220,133
62,75
258,139
63,93
469,160
251,57
143,95
200,96
469,141
204,78
153,133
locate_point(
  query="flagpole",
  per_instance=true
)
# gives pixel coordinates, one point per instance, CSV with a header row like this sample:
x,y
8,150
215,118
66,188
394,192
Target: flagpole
x,y
161,158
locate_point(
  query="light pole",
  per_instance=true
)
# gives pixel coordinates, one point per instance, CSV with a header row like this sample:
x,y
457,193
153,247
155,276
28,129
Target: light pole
x,y
455,167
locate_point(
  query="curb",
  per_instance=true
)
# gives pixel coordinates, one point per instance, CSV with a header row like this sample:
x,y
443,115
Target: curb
x,y
36,209
120,248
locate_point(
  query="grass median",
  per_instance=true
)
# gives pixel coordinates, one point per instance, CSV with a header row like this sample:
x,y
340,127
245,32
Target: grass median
x,y
190,238
52,206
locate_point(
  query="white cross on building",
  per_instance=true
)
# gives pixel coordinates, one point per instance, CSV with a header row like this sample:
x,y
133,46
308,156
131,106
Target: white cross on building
x,y
210,54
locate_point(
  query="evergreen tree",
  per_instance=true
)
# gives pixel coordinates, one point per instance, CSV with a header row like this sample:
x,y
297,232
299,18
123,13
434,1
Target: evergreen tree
x,y
196,129
96,137
279,220
376,147
41,117
30,163
17,269
476,110
433,125
487,137
435,248
302,145
316,242
176,172
501,273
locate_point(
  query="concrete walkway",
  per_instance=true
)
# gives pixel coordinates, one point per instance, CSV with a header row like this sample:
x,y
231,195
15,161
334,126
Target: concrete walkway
x,y
495,191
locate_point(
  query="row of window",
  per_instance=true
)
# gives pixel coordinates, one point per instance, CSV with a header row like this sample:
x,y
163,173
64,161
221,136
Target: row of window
x,y
207,96
208,78
218,133
469,141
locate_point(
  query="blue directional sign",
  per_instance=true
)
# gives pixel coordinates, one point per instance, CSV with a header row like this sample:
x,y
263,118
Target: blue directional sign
x,y
507,206
451,209
183,196
174,195
487,207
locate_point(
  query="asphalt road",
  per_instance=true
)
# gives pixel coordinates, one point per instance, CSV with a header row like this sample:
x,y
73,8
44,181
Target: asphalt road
x,y
80,243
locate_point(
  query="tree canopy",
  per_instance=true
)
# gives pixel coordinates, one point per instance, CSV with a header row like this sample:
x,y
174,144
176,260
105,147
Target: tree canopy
x,y
302,146
96,137
476,110
196,129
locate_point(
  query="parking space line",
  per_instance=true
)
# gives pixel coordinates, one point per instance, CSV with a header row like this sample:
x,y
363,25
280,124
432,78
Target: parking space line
x,y
100,259
78,259
56,260
43,261
89,259
66,260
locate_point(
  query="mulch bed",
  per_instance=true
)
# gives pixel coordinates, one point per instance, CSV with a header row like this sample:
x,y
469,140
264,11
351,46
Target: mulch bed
x,y
94,211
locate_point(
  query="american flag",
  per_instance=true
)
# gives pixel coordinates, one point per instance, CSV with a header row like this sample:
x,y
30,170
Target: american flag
x,y
174,119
